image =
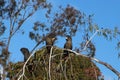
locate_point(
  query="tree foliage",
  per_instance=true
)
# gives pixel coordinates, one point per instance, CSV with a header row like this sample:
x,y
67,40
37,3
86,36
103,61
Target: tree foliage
x,y
64,23
68,21
13,14
75,67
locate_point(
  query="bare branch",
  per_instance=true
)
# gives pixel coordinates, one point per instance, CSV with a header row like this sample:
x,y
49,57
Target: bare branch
x,y
23,69
90,39
108,66
38,44
76,53
21,23
98,61
50,62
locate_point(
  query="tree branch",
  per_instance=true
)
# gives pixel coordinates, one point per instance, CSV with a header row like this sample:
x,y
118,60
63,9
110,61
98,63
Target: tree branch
x,y
90,39
98,61
108,66
23,69
50,62
76,53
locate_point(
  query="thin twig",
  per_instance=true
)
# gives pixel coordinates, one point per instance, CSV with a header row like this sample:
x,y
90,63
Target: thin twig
x,y
90,39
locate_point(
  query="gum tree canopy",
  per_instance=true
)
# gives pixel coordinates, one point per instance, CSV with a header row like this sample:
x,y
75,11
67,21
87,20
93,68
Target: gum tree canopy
x,y
40,65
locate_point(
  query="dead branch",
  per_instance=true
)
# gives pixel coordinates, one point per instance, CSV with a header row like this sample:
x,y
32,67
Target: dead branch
x,y
50,62
23,69
108,66
76,53
98,61
90,39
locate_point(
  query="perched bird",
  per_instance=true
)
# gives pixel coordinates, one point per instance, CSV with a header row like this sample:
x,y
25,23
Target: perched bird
x,y
68,45
26,53
50,39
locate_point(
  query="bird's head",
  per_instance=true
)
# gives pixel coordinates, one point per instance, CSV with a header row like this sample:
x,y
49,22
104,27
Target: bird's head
x,y
24,50
68,37
53,39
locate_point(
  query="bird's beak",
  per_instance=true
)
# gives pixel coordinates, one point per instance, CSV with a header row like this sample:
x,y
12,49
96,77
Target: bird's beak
x,y
66,38
54,39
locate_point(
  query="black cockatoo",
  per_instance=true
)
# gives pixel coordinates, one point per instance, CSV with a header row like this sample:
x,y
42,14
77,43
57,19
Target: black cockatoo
x,y
50,39
68,45
26,53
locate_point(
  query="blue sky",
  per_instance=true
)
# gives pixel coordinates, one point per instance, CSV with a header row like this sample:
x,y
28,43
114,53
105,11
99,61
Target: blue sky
x,y
106,14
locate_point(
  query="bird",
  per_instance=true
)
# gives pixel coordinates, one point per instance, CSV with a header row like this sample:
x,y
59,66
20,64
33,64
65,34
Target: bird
x,y
67,45
25,52
50,40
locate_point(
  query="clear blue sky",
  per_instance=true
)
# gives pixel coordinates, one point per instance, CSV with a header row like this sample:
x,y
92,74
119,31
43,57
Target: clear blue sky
x,y
106,14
